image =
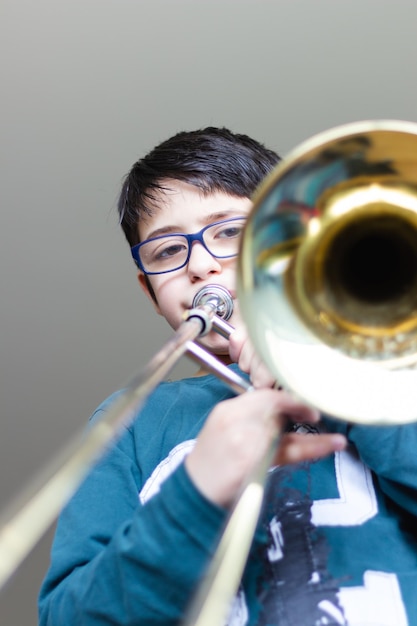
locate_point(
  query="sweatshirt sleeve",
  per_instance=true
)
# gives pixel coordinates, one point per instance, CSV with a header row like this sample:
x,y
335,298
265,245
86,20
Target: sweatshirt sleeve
x,y
116,561
391,453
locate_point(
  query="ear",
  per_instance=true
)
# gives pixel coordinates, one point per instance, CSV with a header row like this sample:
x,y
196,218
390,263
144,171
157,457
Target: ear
x,y
146,287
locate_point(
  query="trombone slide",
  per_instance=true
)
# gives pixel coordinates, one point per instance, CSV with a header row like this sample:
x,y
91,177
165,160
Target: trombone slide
x,y
30,516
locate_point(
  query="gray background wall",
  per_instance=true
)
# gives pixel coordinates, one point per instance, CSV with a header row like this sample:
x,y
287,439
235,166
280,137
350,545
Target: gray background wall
x,y
88,86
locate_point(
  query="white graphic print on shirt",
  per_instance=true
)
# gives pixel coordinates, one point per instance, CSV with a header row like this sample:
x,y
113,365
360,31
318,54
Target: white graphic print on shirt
x,y
326,604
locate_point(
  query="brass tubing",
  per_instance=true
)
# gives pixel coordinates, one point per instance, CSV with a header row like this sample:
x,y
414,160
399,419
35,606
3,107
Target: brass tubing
x,y
213,599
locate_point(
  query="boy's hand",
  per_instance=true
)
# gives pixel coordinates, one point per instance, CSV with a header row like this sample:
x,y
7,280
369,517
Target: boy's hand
x,y
238,434
243,353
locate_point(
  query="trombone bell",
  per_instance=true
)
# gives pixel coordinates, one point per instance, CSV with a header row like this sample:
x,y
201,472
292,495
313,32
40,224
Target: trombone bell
x,y
327,275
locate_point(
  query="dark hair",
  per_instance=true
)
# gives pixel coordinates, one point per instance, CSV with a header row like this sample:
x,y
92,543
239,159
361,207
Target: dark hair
x,y
212,159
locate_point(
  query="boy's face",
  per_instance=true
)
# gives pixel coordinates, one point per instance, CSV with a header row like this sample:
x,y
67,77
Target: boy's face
x,y
184,209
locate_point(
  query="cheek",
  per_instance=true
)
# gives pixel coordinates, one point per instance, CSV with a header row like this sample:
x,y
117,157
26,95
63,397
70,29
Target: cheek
x,y
168,302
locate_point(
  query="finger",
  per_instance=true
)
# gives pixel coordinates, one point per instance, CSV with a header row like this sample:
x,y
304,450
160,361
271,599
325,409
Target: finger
x,y
260,375
243,352
237,341
295,448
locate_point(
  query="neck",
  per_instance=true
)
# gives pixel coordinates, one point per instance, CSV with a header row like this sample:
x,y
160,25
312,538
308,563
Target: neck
x,y
205,368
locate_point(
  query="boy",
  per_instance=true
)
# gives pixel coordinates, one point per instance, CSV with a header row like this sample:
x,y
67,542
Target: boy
x,y
316,559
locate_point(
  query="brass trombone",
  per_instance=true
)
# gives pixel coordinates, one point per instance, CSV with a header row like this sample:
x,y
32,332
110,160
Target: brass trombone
x,y
327,284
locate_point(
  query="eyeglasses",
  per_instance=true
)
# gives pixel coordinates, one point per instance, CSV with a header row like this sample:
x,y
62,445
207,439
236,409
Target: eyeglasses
x,y
168,253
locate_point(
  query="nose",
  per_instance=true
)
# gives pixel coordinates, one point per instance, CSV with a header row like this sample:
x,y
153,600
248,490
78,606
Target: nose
x,y
201,263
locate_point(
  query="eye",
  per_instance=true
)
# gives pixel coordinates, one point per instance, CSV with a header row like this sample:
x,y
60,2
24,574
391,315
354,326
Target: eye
x,y
230,231
168,250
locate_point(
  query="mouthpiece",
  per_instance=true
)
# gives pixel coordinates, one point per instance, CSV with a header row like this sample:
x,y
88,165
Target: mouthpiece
x,y
216,296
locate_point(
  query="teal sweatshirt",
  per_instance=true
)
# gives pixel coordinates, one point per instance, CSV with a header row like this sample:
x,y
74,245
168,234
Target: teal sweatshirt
x,y
336,542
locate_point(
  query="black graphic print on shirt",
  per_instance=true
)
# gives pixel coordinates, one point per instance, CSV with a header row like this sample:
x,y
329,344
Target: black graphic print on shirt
x,y
295,587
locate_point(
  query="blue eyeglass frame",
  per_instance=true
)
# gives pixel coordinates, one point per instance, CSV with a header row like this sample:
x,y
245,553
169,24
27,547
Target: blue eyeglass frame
x,y
190,239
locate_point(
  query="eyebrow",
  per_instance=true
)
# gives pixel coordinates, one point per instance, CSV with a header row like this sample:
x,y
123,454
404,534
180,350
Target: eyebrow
x,y
208,219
